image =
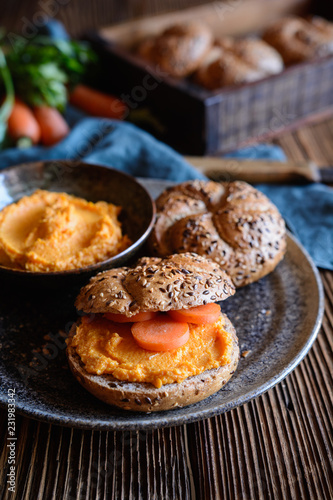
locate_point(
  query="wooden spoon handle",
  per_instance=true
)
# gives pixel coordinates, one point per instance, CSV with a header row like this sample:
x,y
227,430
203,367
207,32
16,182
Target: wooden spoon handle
x,y
255,171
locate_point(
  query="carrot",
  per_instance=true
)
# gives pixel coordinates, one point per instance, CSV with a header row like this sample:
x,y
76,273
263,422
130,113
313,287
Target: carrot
x,y
52,124
121,318
23,125
96,103
161,333
199,315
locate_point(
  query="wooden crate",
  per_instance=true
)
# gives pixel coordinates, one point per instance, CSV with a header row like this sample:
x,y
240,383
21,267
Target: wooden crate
x,y
198,121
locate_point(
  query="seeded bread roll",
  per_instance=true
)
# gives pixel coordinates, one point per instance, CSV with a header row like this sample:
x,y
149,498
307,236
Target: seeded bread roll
x,y
298,39
232,223
258,54
176,282
179,50
226,70
147,398
233,62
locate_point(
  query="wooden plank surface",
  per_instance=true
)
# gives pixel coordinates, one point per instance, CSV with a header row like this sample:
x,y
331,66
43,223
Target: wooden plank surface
x,y
277,446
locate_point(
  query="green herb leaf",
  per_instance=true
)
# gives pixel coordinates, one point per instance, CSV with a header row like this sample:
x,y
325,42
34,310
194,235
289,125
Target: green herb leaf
x,y
43,69
8,102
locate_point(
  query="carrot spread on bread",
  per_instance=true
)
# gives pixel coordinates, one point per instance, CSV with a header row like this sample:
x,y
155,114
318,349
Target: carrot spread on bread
x,y
154,327
49,231
107,347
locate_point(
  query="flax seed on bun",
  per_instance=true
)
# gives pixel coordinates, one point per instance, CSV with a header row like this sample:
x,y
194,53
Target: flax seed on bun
x,y
176,282
155,284
233,224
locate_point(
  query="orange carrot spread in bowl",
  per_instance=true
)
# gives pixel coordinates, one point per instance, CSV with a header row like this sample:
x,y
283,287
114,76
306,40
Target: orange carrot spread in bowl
x,y
49,231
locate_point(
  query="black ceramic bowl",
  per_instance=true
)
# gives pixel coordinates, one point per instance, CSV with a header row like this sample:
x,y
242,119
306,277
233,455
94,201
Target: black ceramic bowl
x,y
93,183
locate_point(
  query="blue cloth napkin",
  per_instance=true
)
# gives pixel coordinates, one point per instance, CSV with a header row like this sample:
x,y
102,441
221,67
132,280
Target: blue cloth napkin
x,y
112,143
308,210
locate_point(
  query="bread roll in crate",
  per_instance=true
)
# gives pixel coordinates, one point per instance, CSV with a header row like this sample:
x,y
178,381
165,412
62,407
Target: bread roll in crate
x,y
220,75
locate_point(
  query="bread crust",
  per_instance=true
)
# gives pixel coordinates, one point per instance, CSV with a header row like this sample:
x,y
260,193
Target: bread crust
x,y
145,397
232,62
156,284
239,227
298,39
259,55
179,50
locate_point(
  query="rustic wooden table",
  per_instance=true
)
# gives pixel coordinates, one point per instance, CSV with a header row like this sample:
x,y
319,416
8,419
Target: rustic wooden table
x,y
276,446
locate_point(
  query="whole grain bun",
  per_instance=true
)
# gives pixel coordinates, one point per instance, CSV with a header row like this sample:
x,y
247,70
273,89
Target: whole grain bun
x,y
233,62
144,396
156,284
298,39
233,224
226,70
179,50
259,55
